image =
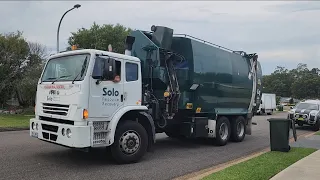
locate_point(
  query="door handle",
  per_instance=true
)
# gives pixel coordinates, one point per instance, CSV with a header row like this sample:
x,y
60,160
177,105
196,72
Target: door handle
x,y
121,97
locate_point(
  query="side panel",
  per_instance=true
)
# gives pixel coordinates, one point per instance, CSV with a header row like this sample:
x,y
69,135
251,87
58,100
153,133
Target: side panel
x,y
223,76
267,101
274,103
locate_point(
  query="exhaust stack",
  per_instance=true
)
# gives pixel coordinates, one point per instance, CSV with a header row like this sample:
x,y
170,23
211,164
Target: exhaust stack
x,y
129,42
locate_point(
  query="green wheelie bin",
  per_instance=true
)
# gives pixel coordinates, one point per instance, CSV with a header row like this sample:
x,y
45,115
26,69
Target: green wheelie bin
x,y
279,134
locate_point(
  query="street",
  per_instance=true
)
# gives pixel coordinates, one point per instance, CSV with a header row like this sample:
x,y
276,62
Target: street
x,y
23,157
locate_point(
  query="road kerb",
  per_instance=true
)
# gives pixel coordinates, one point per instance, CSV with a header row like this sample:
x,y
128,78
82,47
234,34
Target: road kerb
x,y
310,134
6,129
205,172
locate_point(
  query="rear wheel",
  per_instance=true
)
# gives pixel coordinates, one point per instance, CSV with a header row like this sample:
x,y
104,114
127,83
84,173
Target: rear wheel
x,y
238,129
130,142
222,131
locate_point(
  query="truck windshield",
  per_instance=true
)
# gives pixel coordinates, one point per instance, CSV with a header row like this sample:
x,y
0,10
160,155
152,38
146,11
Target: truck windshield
x,y
66,68
308,106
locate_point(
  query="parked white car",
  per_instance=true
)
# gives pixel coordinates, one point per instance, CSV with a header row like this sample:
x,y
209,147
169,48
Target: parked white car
x,y
306,112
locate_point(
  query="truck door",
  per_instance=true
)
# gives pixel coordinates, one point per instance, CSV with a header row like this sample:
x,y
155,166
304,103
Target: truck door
x,y
132,83
106,97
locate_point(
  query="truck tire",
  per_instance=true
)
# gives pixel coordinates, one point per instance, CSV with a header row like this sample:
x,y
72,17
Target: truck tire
x,y
222,131
130,142
238,129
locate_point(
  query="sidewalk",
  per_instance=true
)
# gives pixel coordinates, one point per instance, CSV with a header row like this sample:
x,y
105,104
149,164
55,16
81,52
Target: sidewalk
x,y
306,168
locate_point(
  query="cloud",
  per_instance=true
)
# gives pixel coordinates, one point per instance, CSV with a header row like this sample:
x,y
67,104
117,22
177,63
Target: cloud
x,y
282,33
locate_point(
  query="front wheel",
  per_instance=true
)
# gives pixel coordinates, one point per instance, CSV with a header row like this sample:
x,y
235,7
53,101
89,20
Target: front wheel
x,y
222,131
130,142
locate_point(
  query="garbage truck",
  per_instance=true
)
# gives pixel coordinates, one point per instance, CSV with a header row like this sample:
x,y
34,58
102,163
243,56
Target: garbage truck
x,y
163,83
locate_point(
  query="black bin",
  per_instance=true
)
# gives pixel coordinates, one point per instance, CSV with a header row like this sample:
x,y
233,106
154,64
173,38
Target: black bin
x,y
279,134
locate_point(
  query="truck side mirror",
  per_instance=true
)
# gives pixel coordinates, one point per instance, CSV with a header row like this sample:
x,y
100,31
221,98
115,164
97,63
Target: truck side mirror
x,y
109,69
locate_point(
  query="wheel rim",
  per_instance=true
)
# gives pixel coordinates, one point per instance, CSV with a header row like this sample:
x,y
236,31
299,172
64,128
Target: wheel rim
x,y
223,131
240,129
129,142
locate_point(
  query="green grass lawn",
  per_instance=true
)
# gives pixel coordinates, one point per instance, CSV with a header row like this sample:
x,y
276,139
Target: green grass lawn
x,y
262,167
14,121
317,133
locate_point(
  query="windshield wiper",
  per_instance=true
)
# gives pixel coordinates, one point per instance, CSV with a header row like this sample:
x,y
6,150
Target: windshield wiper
x,y
82,70
56,79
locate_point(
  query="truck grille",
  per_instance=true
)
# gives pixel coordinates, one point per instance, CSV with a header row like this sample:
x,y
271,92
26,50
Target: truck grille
x,y
51,128
56,109
99,138
100,129
304,116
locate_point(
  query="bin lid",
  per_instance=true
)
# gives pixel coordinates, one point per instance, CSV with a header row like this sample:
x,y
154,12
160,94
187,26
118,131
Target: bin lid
x,y
278,119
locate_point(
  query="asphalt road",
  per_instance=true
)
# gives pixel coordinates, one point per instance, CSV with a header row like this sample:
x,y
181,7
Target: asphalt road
x,y
22,157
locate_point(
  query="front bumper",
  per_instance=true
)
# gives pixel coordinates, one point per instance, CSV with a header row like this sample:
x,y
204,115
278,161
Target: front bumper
x,y
306,119
52,132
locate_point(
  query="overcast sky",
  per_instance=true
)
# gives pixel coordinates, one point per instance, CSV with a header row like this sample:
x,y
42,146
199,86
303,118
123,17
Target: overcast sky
x,y
282,33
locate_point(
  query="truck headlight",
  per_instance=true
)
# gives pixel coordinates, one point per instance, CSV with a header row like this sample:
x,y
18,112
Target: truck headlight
x,y
69,133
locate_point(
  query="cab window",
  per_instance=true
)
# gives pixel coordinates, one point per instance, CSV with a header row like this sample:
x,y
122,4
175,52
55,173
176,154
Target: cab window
x,y
131,71
98,68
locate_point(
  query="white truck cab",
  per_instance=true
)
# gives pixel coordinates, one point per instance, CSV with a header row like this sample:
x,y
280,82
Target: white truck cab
x,y
78,102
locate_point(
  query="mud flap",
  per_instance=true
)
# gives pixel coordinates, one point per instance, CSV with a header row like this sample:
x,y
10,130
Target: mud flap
x,y
249,126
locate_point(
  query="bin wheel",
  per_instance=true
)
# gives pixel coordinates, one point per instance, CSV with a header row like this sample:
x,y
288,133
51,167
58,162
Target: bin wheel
x,y
289,148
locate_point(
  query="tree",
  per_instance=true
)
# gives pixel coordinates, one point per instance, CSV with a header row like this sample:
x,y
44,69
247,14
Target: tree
x,y
13,52
278,98
99,37
279,82
26,85
300,82
20,67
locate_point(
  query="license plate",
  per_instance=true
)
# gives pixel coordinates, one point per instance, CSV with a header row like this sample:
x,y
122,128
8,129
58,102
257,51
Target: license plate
x,y
34,134
300,119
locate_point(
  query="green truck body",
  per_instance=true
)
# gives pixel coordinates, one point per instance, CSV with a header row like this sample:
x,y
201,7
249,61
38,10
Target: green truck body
x,y
222,75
